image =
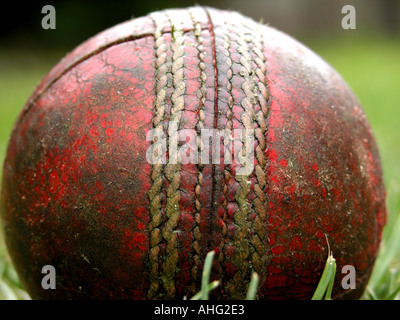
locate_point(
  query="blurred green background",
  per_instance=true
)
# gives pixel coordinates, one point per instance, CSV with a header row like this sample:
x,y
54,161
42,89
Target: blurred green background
x,y
368,59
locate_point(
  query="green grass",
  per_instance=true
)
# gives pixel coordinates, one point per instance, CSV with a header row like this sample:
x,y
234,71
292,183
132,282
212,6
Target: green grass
x,y
369,64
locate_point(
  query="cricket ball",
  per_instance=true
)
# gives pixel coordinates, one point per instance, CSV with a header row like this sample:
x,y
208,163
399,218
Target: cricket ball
x,y
81,193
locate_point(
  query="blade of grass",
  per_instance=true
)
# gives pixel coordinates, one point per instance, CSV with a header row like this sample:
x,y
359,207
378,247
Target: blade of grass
x,y
389,249
213,285
252,291
332,263
371,295
206,275
6,293
206,287
325,284
393,295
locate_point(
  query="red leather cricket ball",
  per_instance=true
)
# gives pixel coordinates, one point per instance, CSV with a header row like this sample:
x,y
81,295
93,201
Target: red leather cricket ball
x,y
79,192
